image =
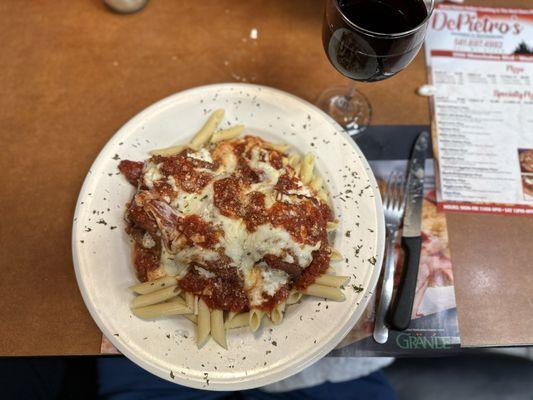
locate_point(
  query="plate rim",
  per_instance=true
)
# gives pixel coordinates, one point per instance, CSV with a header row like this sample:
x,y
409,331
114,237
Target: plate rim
x,y
258,381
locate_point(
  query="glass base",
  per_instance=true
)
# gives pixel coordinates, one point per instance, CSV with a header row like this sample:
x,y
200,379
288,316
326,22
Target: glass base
x,y
348,107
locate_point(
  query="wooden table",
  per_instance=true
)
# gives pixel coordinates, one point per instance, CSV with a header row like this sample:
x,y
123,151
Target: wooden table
x,y
72,73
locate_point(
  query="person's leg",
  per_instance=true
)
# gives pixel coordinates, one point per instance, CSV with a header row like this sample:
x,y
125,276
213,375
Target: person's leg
x,y
374,386
31,378
120,379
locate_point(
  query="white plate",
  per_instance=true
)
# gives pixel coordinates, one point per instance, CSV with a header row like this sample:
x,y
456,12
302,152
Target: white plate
x,y
166,347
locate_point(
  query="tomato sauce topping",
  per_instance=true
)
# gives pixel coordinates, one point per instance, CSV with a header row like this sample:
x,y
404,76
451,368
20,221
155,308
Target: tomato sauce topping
x,y
318,266
275,159
138,218
286,183
145,260
254,213
227,198
239,148
223,291
304,221
198,232
270,301
132,170
196,163
182,168
163,189
245,173
227,194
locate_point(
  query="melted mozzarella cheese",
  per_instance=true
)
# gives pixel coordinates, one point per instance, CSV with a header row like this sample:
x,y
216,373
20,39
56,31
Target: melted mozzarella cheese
x,y
235,235
200,204
268,239
151,174
202,155
255,293
244,249
270,174
301,191
196,254
288,258
273,280
228,160
172,182
203,272
267,190
148,242
264,281
169,263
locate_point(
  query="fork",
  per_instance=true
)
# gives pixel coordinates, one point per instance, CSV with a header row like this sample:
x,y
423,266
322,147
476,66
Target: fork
x,y
393,205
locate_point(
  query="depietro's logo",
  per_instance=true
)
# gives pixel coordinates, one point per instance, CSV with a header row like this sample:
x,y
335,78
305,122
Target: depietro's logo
x,y
411,342
472,22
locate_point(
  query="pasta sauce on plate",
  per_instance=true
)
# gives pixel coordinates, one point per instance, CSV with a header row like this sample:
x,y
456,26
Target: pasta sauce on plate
x,y
233,222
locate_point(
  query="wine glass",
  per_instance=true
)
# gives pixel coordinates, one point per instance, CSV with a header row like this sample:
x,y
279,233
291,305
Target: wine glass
x,y
368,41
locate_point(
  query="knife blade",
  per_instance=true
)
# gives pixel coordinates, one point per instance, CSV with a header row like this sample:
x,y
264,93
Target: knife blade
x,y
400,314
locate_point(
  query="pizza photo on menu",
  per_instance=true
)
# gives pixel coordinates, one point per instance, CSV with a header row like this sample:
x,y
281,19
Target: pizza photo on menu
x,y
525,157
527,186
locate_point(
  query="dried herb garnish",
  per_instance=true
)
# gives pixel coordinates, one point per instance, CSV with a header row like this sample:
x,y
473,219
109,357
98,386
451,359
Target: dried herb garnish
x,y
357,288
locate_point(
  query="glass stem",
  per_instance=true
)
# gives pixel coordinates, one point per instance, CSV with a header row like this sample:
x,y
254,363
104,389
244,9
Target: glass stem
x,y
343,102
352,90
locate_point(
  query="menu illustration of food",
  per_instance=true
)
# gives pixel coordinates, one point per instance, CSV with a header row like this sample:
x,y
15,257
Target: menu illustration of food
x,y
481,65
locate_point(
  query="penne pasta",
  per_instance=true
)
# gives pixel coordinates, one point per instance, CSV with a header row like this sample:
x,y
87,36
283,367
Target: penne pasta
x,y
177,299
294,159
255,319
161,309
203,326
276,316
169,151
231,315
227,134
297,168
294,297
191,317
324,291
204,134
322,196
332,280
195,307
149,287
282,148
238,321
155,297
317,183
218,331
307,166
336,255
189,300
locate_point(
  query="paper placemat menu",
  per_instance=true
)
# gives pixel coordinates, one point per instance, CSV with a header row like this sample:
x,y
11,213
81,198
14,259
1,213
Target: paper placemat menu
x,y
481,65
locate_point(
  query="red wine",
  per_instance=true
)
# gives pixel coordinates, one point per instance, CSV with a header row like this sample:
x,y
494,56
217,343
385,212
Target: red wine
x,y
357,36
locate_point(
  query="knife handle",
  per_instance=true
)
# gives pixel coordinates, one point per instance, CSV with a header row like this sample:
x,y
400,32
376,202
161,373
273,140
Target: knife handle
x,y
400,315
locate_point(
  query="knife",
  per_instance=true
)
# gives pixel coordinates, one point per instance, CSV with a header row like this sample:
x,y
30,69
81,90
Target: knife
x,y
400,315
